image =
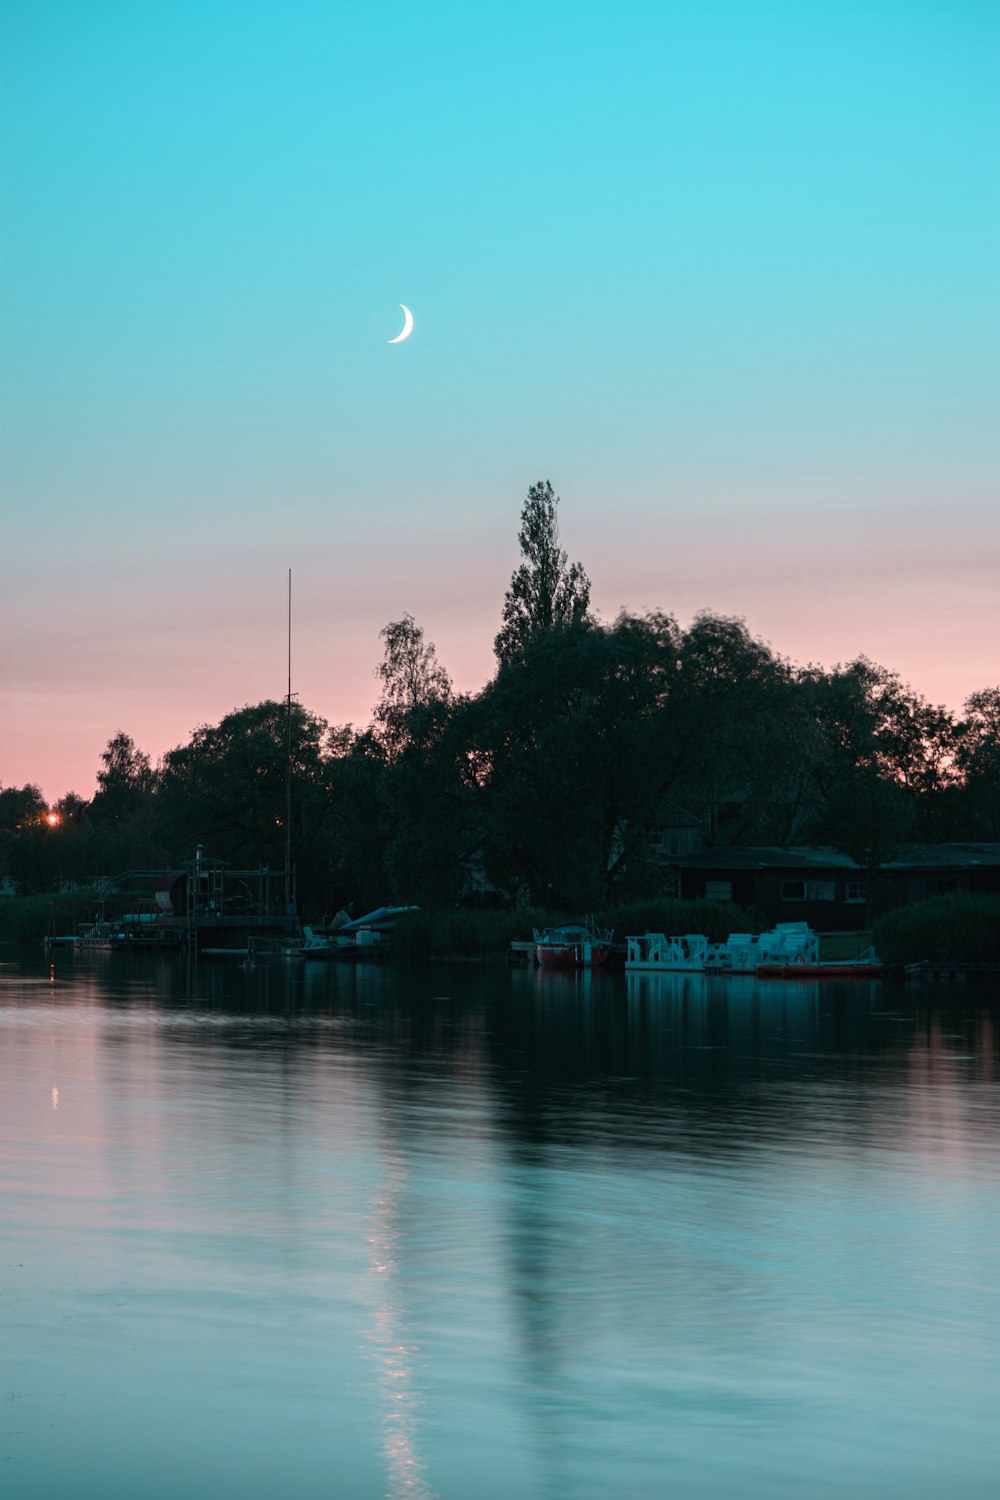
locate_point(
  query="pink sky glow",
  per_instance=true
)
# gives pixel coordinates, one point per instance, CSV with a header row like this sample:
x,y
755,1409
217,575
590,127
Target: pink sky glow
x,y
156,660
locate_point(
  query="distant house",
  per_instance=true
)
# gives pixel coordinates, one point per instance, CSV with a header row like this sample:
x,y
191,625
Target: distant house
x,y
674,833
826,888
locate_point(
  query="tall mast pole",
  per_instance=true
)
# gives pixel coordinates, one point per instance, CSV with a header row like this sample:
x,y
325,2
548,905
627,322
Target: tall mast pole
x,y
288,761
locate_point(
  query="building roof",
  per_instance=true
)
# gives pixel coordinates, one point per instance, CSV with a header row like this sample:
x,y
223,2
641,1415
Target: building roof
x,y
804,857
945,857
672,815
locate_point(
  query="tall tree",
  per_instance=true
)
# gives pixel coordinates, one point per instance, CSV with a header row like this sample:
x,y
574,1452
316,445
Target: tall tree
x,y
545,590
226,789
730,737
20,806
429,798
425,799
416,689
122,811
979,761
124,780
354,825
860,764
568,756
25,847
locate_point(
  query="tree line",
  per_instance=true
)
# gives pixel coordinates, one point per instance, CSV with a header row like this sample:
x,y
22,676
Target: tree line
x,y
545,785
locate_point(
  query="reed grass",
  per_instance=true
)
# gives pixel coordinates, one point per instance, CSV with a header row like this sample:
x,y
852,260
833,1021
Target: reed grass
x,y
460,933
29,919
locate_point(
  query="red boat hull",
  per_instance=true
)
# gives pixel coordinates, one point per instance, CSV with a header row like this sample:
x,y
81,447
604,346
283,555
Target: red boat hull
x,y
572,955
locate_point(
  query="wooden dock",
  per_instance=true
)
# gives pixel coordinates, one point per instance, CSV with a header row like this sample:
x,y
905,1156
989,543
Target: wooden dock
x,y
953,972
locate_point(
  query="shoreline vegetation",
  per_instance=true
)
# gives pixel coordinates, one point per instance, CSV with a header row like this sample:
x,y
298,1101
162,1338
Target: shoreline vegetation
x,y
485,935
958,928
596,751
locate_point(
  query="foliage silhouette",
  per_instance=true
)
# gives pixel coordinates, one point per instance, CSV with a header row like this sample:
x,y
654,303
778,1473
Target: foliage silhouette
x,y
546,590
544,786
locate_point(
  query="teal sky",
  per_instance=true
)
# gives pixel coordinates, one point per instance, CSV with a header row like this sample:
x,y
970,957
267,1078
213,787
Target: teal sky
x,y
728,274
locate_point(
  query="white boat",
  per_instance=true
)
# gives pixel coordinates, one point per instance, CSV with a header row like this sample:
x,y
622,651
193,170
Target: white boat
x,y
655,951
352,937
572,945
741,953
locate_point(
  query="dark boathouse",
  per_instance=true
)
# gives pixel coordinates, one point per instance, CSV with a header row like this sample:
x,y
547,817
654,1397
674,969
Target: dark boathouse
x,y
828,889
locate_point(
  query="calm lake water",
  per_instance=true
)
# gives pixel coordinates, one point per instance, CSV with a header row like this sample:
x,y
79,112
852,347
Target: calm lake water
x,y
315,1230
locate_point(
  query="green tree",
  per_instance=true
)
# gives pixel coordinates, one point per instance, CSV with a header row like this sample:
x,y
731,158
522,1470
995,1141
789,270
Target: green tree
x,y
730,735
545,590
124,782
883,762
28,854
20,806
43,848
225,789
567,755
122,811
424,787
416,689
430,814
978,760
355,829
74,839
858,794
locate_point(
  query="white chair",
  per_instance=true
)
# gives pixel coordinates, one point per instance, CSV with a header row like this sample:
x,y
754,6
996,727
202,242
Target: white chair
x,y
740,952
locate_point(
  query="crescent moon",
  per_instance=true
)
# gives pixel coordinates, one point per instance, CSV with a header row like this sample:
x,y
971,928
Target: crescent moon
x,y
407,327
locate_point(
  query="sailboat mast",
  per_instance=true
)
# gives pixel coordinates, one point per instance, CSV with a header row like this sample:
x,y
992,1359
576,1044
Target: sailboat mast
x,y
288,761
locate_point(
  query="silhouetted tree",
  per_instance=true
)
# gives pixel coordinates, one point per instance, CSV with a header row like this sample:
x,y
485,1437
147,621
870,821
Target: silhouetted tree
x,y
871,730
122,811
19,806
355,831
860,802
226,789
545,589
42,847
424,786
731,738
430,813
567,754
416,689
25,838
983,725
978,758
124,780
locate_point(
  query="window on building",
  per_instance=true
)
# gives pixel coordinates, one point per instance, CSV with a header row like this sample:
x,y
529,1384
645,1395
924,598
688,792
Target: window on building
x,y
808,890
855,892
821,890
718,890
